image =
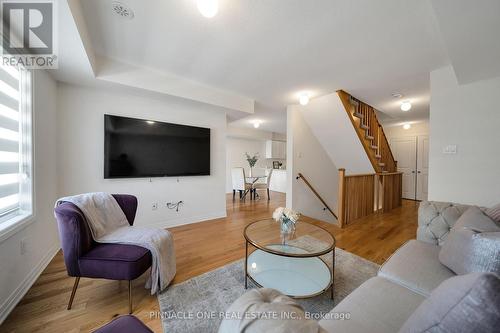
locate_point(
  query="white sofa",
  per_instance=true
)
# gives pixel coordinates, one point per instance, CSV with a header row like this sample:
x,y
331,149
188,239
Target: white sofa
x,y
383,303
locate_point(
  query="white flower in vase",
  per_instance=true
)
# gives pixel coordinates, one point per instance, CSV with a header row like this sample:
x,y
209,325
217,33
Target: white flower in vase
x,y
287,217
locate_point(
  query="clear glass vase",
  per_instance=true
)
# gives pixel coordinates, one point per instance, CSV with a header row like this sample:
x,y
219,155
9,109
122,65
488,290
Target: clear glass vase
x,y
287,230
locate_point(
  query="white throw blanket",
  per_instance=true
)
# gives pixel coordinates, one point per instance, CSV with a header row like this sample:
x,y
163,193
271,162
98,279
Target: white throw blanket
x,y
108,224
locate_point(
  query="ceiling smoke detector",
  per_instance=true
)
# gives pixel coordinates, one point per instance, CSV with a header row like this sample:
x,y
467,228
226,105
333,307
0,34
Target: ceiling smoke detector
x,y
397,95
122,10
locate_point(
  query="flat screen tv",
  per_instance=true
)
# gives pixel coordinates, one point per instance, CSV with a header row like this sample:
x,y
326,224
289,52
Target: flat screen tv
x,y
135,148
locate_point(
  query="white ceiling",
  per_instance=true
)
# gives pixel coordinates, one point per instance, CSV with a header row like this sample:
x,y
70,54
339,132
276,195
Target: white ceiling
x,y
269,50
471,32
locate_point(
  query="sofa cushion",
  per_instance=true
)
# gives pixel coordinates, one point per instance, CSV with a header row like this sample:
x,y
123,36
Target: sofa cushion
x,y
115,261
465,303
266,310
473,244
494,213
377,306
416,266
435,219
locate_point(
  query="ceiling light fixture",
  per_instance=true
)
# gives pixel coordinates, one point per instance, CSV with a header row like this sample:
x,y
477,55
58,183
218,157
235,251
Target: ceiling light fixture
x,y
304,99
405,106
406,126
208,8
397,95
150,122
256,124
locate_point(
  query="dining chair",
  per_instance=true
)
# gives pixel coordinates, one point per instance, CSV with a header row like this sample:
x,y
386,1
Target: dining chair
x,y
264,185
239,182
86,258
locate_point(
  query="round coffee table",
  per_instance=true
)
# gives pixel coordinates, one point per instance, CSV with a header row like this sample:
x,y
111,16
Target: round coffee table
x,y
289,262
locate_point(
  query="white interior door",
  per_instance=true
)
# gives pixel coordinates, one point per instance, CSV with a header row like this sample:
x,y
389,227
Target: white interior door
x,y
422,167
405,152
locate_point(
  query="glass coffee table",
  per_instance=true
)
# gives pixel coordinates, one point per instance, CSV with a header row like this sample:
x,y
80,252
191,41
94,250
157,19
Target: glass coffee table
x,y
289,262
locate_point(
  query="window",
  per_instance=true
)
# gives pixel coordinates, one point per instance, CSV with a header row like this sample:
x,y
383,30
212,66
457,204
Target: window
x,y
15,144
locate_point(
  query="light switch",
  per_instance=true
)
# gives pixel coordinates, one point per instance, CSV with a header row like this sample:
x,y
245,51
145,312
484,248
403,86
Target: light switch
x,y
450,149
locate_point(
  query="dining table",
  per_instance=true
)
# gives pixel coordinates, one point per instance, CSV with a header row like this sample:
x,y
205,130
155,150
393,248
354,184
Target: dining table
x,y
252,180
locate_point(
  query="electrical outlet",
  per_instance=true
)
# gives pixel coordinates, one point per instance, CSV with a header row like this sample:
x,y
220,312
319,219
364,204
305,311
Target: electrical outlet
x,y
23,245
154,206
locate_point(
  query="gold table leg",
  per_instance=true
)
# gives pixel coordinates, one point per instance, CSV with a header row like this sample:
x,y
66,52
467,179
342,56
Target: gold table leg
x,y
246,264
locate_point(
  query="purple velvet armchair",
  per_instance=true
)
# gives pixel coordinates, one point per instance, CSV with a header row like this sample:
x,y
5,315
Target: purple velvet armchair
x,y
86,258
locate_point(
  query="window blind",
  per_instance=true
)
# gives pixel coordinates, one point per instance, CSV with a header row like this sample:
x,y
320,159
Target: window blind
x,y
10,139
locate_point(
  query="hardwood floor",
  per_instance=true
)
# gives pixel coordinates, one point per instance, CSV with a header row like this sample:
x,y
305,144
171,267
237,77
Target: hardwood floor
x,y
200,247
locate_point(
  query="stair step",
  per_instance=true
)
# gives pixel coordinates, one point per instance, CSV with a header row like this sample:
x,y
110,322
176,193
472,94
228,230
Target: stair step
x,y
374,147
381,164
363,126
369,137
359,115
378,156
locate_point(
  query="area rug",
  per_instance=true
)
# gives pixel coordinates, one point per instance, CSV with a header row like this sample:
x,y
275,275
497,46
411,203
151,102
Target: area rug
x,y
194,305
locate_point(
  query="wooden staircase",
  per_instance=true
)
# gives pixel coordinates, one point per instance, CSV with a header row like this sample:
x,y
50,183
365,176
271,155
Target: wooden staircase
x,y
364,194
370,133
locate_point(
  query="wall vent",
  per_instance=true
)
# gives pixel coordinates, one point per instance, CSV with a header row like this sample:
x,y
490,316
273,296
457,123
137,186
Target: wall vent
x,y
122,10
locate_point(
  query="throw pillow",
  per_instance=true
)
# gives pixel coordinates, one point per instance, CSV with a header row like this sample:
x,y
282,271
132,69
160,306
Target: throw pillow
x,y
466,303
473,244
266,310
494,213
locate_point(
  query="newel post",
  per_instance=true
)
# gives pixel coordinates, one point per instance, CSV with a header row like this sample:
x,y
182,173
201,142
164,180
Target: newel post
x,y
341,198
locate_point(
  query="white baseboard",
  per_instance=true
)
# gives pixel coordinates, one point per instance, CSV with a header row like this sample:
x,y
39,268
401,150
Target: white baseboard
x,y
26,284
186,220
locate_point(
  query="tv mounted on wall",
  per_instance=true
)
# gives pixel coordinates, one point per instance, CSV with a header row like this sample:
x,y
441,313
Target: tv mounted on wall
x,y
135,148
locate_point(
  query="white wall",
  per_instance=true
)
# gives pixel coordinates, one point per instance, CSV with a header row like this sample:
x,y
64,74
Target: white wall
x,y
19,272
329,122
248,133
241,140
467,116
80,152
397,131
235,152
306,155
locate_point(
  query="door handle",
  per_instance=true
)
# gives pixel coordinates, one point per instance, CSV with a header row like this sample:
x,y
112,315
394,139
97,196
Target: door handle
x,y
419,172
413,171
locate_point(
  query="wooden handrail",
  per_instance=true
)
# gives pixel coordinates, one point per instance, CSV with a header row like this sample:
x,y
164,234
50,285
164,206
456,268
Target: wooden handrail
x,y
301,176
388,173
359,174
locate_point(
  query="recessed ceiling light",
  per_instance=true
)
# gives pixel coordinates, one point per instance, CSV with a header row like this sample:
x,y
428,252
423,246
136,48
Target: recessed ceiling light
x,y
150,122
122,10
405,106
304,98
256,124
406,126
397,95
208,8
